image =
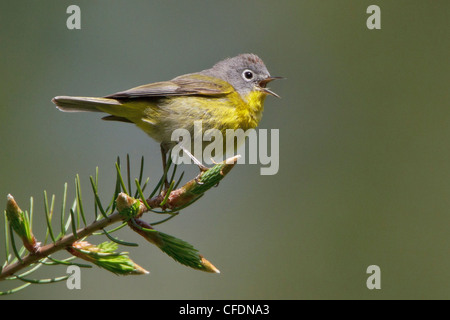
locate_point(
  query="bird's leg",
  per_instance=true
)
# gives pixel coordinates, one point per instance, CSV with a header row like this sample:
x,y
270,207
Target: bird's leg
x,y
202,167
164,152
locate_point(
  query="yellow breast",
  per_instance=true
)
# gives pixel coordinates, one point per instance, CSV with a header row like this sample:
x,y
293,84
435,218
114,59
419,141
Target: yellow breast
x,y
250,109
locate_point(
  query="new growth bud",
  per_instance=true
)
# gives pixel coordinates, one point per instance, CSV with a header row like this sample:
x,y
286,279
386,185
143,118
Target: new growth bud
x,y
20,223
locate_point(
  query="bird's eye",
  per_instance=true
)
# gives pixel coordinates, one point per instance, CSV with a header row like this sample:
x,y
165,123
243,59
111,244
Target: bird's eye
x,y
247,75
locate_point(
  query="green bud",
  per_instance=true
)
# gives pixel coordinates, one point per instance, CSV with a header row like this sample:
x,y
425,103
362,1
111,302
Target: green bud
x,y
128,206
104,257
180,250
21,224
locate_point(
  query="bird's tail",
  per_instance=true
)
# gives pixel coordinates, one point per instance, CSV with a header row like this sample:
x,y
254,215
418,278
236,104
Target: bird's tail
x,y
77,104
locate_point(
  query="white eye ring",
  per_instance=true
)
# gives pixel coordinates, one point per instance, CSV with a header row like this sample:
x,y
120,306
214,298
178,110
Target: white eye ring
x,y
247,75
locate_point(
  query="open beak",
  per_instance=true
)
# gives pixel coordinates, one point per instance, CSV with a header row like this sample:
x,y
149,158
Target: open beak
x,y
263,84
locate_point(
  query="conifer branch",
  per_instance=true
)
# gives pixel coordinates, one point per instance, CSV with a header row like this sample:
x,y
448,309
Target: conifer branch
x,y
124,208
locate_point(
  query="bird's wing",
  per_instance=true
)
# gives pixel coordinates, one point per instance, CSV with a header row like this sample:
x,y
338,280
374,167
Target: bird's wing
x,y
190,84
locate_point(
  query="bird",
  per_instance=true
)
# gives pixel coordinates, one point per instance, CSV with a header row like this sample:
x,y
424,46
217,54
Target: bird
x,y
229,95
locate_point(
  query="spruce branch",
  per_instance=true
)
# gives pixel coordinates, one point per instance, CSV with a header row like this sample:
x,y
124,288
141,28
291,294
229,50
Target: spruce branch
x,y
123,209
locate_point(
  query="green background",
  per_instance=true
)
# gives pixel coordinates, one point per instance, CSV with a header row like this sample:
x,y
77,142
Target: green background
x,y
364,125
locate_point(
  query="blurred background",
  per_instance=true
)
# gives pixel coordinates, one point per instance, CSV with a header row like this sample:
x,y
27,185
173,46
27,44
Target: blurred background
x,y
364,124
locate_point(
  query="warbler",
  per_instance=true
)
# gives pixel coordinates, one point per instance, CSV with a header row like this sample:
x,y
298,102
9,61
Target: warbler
x,y
230,95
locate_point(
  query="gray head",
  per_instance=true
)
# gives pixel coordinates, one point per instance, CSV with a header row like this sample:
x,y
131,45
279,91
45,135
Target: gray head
x,y
245,72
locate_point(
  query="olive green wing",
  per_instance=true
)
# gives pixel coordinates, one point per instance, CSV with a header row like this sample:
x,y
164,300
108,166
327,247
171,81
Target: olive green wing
x,y
190,84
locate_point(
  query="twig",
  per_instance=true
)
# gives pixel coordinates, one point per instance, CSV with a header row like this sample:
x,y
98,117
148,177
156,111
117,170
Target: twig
x,y
129,209
64,242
